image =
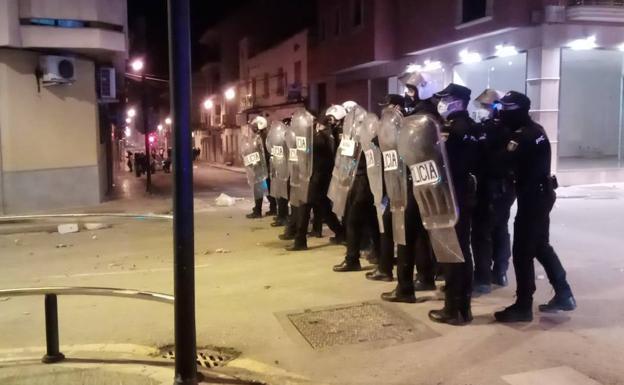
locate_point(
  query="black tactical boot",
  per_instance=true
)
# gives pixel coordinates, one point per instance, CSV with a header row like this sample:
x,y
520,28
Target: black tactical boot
x,y
500,279
297,246
377,275
559,302
316,233
395,296
279,222
515,313
348,265
254,215
286,237
456,312
421,285
339,239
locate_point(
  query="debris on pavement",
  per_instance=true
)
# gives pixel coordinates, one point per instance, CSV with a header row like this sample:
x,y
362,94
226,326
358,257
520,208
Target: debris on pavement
x,y
96,226
267,287
4,299
225,200
94,236
17,242
63,245
26,313
114,264
67,228
222,251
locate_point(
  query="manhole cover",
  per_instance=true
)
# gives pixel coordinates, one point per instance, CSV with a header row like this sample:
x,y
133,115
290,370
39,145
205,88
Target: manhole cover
x,y
359,323
205,358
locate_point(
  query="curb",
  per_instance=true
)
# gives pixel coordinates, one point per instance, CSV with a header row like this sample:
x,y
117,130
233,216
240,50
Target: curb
x,y
226,168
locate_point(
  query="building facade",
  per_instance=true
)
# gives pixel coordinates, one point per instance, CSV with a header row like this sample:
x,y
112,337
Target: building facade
x,y
58,66
568,56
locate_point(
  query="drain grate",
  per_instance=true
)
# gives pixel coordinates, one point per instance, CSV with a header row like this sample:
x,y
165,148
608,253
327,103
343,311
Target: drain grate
x,y
358,323
205,358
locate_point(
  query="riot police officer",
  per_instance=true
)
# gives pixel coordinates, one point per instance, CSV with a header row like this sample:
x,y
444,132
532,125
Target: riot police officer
x,y
259,126
385,263
360,212
530,154
322,165
495,196
460,144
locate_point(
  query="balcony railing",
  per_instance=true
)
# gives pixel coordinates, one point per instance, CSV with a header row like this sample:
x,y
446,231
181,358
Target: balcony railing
x,y
611,3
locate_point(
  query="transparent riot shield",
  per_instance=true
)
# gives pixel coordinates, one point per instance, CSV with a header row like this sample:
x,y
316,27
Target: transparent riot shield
x,y
276,144
374,167
346,162
395,175
302,123
424,152
252,151
293,166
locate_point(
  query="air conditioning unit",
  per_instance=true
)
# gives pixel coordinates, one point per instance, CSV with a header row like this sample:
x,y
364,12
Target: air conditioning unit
x,y
108,86
57,70
555,14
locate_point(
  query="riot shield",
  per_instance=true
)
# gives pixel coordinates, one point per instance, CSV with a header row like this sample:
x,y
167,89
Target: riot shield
x,y
374,167
395,173
346,162
302,124
252,151
423,151
293,166
279,160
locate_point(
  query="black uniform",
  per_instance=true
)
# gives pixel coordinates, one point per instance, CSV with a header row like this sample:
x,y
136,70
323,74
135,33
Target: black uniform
x,y
461,148
530,152
417,250
272,202
361,215
495,196
322,166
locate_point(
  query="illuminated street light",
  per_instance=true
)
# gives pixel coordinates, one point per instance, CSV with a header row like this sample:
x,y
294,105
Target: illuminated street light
x,y
469,57
583,44
128,132
151,139
137,65
128,120
168,121
131,112
160,127
230,93
503,50
208,104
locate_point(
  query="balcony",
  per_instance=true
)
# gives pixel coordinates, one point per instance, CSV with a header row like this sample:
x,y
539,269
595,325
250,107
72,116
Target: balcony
x,y
606,11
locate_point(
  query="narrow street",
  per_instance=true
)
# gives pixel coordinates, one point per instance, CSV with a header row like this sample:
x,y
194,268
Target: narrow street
x,y
258,301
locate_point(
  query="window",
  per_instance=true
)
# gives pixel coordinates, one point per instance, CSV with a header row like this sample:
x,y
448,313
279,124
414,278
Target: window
x,y
358,13
473,10
337,22
266,86
298,72
281,79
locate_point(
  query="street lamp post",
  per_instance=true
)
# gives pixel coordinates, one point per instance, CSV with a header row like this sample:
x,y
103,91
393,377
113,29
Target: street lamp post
x,y
138,66
183,225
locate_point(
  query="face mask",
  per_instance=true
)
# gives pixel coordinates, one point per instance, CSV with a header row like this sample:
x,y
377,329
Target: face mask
x,y
513,118
482,114
447,107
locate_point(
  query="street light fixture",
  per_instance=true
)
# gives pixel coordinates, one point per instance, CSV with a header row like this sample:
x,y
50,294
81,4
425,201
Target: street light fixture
x,y
160,127
131,112
128,132
168,121
137,65
208,104
128,120
230,93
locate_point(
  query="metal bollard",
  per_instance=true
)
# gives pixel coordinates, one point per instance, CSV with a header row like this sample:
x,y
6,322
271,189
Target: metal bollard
x,y
52,332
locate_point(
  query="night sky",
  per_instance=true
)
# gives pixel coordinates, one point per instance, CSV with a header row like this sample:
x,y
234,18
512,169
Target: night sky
x,y
204,13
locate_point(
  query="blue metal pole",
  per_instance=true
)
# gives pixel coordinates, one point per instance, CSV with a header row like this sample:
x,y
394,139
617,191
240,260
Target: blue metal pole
x,y
183,227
